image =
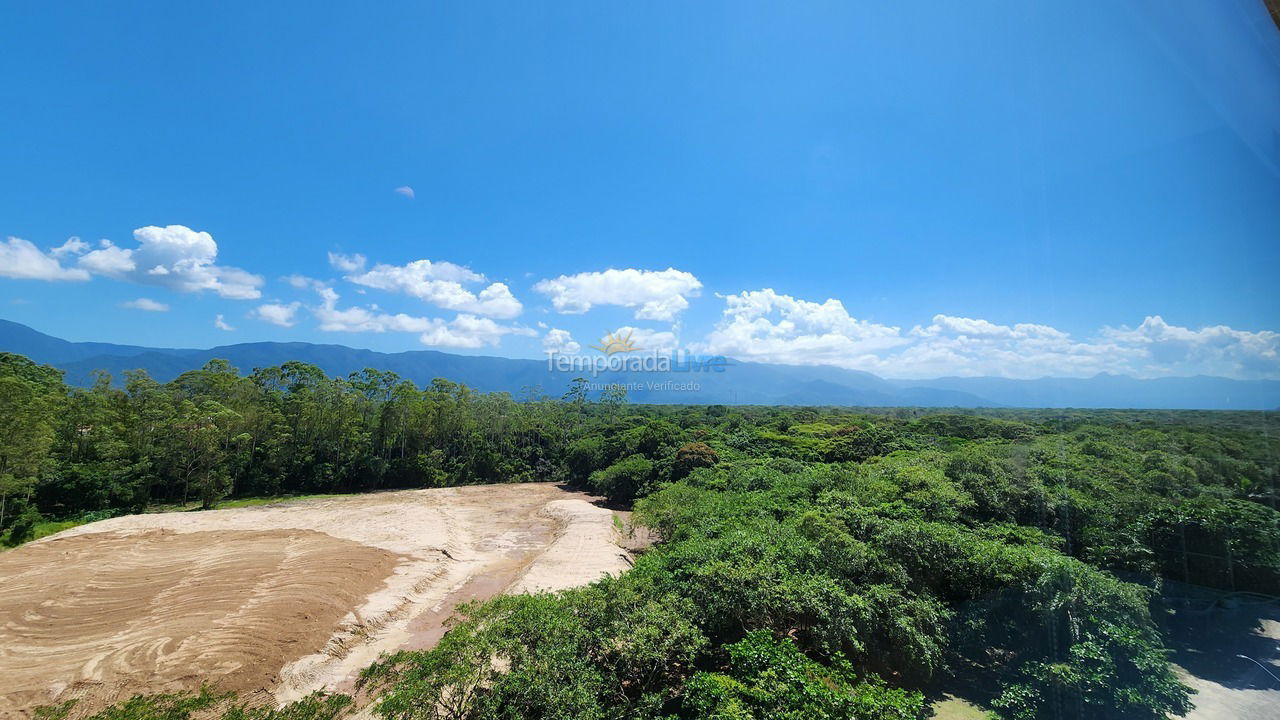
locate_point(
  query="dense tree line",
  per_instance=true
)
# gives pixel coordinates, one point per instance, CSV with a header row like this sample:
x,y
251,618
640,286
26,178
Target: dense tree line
x,y
827,564
212,433
815,563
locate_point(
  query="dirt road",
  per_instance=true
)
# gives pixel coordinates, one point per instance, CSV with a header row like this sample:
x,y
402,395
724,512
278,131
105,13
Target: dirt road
x,y
1227,648
281,599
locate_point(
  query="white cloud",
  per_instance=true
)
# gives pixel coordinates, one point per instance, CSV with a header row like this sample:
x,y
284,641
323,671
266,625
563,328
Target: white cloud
x,y
656,294
642,339
1216,350
146,304
22,260
464,331
469,331
73,246
441,284
558,341
301,282
969,347
108,260
221,323
970,327
347,263
407,277
277,313
660,341
360,319
174,257
765,326
406,191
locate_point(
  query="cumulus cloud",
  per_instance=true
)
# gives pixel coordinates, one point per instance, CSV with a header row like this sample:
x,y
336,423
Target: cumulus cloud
x,y
22,260
221,323
464,331
442,285
656,294
970,327
146,304
1216,350
108,260
561,342
469,331
406,191
173,257
278,313
970,347
766,326
362,319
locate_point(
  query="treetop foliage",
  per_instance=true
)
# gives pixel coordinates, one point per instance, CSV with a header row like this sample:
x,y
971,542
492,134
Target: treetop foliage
x,y
814,563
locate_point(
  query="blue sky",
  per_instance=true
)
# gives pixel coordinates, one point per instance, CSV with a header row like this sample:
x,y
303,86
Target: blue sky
x,y
925,189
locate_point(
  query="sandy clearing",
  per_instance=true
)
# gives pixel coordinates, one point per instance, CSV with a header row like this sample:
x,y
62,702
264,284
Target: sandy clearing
x,y
157,610
573,558
288,598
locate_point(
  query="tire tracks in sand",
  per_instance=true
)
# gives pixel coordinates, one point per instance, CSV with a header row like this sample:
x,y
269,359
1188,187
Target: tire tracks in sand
x,y
285,598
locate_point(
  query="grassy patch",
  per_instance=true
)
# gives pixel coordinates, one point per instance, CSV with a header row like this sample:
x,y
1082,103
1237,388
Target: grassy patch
x,y
51,527
194,506
252,502
954,708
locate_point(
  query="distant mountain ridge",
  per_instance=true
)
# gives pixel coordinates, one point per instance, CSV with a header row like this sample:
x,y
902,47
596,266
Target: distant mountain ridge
x,y
1108,390
740,383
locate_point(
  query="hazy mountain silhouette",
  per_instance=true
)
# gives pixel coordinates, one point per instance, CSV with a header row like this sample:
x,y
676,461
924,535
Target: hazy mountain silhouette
x,y
740,383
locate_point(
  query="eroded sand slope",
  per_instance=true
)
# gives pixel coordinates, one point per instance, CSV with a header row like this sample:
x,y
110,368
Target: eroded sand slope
x,y
281,599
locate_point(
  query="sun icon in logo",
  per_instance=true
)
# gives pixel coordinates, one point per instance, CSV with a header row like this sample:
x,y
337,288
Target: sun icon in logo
x,y
616,343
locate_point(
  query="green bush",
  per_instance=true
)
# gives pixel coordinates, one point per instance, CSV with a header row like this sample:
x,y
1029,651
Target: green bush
x,y
691,456
607,651
24,528
769,679
624,480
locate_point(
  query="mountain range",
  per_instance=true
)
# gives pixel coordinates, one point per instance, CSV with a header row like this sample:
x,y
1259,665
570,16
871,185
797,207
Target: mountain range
x,y
739,383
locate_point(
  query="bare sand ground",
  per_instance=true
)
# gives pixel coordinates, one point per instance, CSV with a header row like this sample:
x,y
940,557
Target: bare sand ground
x,y
281,599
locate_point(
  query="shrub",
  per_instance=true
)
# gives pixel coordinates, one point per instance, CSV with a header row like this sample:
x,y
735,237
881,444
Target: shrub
x,y
624,480
691,456
768,679
24,528
601,652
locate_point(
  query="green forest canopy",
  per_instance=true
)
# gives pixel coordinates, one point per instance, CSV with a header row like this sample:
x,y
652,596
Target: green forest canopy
x,y
816,563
